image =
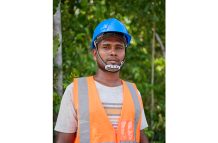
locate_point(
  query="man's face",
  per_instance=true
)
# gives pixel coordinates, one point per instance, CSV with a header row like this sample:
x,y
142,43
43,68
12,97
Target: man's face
x,y
111,50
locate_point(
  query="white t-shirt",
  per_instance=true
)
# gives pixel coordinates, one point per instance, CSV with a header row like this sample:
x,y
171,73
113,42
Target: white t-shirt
x,y
111,98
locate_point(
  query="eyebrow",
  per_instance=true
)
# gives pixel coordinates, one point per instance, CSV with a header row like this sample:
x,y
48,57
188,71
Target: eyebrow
x,y
108,44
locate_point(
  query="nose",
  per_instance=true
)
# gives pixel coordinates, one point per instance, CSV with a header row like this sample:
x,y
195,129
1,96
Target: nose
x,y
113,52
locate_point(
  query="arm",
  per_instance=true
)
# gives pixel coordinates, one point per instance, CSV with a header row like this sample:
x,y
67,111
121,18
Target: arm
x,y
143,138
66,125
65,137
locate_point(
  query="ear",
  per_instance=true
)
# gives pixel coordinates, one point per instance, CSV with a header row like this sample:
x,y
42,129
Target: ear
x,y
94,54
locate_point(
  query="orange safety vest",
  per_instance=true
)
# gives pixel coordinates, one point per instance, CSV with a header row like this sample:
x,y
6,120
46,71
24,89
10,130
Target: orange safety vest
x,y
93,123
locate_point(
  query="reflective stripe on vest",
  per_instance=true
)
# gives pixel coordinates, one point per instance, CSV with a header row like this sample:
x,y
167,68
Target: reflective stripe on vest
x,y
83,111
136,104
122,142
84,127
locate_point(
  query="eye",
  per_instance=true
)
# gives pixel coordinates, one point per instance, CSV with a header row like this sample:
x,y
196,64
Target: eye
x,y
105,47
119,47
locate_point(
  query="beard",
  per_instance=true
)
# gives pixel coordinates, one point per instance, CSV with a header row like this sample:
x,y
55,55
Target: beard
x,y
102,66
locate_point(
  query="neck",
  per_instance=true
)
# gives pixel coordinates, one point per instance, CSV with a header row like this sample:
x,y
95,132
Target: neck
x,y
108,78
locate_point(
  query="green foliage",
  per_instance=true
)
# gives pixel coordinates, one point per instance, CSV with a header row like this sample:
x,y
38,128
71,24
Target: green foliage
x,y
56,106
79,18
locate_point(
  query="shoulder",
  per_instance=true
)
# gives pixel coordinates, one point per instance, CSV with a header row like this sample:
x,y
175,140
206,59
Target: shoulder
x,y
69,87
76,78
127,81
68,91
132,83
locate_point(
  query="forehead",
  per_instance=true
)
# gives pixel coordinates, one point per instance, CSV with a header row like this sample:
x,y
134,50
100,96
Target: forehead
x,y
112,39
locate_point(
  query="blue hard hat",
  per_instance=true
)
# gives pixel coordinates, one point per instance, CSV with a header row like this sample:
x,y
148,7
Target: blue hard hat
x,y
110,25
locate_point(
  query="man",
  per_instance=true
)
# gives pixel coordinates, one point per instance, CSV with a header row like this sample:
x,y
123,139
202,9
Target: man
x,y
103,108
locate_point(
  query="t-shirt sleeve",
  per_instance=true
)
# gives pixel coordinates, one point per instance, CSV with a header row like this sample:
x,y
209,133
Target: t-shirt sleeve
x,y
144,123
67,119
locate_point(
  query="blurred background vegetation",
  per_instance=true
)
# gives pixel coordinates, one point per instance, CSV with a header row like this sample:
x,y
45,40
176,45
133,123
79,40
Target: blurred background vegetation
x,y
145,59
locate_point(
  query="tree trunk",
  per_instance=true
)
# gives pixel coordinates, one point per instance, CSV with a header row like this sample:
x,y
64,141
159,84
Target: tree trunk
x,y
152,75
161,44
58,58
